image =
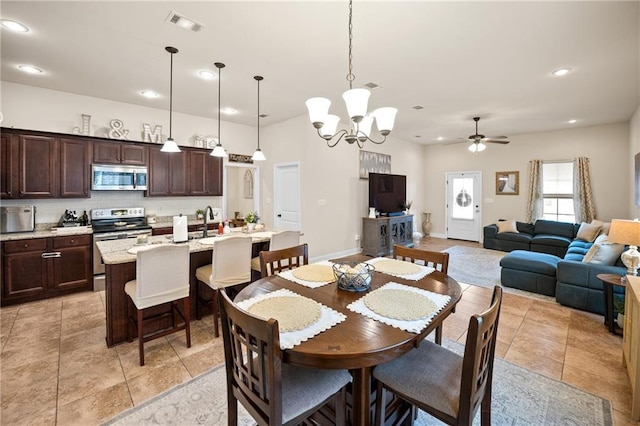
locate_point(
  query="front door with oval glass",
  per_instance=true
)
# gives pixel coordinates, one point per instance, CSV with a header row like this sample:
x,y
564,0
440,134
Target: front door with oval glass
x,y
464,195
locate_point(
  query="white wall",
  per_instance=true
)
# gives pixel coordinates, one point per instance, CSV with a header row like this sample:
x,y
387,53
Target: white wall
x,y
606,146
634,148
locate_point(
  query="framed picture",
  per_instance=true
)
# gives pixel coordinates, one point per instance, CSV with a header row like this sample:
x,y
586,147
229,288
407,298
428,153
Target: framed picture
x,y
372,162
507,183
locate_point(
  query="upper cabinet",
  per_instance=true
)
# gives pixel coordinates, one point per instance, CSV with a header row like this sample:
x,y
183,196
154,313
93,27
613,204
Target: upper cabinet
x,y
105,152
167,173
8,150
75,168
205,174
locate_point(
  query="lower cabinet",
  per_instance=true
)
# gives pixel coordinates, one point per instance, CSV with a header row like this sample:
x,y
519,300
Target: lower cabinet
x,y
380,234
40,268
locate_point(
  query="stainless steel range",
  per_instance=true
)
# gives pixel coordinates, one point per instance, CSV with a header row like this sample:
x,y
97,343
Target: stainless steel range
x,y
114,224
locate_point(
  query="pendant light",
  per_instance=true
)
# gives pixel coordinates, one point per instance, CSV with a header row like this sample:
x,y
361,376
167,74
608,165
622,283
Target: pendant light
x,y
258,155
170,145
218,150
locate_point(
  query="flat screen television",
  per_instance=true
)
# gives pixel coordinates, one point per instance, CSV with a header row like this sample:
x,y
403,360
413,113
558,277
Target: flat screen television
x,y
387,192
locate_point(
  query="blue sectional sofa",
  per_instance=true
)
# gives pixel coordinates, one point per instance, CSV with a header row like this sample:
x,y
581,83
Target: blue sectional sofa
x,y
546,267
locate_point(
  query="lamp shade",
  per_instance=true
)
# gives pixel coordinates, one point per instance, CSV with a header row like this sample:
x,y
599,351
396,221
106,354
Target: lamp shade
x,y
625,232
356,100
318,109
218,151
477,147
385,118
258,155
330,125
365,125
170,146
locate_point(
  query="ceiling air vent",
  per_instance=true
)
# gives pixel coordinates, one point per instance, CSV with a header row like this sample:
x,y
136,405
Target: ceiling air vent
x,y
372,85
418,107
183,22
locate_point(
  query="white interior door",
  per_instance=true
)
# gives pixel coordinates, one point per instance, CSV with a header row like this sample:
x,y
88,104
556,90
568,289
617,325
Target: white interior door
x,y
464,201
286,195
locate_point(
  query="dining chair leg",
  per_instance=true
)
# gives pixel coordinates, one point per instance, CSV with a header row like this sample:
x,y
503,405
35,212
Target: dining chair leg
x,y
380,405
140,337
187,320
485,407
216,312
438,338
198,313
341,407
130,324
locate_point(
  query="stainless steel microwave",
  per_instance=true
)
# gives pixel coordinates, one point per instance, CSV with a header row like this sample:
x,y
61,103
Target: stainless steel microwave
x,y
113,177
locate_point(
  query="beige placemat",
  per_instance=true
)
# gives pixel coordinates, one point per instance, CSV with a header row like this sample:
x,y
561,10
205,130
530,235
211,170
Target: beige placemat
x,y
292,312
399,267
315,273
399,304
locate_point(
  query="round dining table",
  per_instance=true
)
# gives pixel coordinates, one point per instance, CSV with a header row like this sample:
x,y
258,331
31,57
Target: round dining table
x,y
359,343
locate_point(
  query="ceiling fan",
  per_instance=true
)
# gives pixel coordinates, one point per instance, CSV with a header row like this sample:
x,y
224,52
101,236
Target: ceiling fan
x,y
478,141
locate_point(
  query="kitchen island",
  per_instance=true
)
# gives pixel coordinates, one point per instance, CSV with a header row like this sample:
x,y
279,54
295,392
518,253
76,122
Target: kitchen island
x,y
120,267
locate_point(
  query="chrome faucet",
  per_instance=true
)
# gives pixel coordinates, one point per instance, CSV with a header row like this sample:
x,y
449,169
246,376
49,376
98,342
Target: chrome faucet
x,y
207,210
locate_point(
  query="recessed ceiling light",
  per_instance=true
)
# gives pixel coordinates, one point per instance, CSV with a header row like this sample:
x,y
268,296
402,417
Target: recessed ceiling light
x,y
228,110
573,121
14,26
149,94
30,69
207,74
561,71
440,138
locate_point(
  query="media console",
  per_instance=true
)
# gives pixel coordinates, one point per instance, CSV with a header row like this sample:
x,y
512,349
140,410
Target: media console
x,y
380,234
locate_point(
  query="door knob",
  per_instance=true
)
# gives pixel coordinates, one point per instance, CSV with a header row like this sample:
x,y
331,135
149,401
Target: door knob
x,y
279,215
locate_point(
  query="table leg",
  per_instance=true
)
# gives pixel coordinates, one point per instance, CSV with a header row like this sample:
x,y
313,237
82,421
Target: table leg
x,y
361,387
608,309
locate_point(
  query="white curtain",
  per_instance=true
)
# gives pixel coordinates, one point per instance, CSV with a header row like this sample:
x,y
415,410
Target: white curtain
x,y
535,201
583,204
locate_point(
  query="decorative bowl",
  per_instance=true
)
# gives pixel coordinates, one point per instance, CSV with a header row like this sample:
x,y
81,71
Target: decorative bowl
x,y
353,276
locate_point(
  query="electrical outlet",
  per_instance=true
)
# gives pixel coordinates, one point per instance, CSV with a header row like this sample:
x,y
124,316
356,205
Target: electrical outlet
x,y
357,237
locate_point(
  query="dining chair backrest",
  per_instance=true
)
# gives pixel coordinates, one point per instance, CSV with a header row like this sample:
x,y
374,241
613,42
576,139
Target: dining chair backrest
x,y
274,261
284,239
231,261
479,353
162,270
436,259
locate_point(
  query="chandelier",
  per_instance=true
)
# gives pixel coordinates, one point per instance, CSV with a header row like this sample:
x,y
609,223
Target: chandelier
x,y
356,100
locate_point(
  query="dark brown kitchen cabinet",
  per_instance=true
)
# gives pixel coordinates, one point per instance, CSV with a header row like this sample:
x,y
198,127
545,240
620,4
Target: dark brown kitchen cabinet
x,y
119,153
40,268
205,174
37,166
75,173
8,157
167,173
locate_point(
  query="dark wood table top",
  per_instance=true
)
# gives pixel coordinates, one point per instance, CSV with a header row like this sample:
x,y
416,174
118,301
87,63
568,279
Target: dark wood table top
x,y
613,279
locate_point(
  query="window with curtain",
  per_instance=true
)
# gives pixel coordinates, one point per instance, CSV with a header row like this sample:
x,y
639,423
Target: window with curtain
x,y
557,189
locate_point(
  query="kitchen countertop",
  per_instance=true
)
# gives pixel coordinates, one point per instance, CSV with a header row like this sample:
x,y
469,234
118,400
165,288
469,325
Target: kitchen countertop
x,y
41,232
116,251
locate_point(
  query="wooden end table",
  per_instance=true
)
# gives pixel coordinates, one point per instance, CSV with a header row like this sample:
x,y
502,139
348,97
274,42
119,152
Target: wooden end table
x,y
608,281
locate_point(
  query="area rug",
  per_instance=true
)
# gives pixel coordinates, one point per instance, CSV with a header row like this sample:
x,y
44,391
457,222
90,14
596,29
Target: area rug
x,y
475,265
520,397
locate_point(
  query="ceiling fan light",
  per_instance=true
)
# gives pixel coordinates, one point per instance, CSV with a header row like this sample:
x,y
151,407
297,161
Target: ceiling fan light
x,y
356,100
318,109
258,155
385,119
170,146
218,151
477,147
330,126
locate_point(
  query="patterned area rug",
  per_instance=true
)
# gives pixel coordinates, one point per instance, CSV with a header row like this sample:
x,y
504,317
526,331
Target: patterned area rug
x,y
520,397
475,265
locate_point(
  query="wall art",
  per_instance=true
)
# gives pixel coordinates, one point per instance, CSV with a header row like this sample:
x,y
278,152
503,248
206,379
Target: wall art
x,y
117,129
373,162
507,183
240,158
86,126
149,136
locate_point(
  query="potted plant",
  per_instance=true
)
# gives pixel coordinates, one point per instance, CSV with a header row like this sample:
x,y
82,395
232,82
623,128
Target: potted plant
x,y
406,206
200,214
251,218
618,304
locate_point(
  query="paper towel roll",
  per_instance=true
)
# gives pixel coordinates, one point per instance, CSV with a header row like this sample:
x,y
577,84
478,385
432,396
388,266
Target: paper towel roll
x,y
180,229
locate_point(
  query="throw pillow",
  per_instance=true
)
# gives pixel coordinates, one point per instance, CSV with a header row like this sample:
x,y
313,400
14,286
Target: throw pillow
x,y
603,252
507,226
588,232
604,226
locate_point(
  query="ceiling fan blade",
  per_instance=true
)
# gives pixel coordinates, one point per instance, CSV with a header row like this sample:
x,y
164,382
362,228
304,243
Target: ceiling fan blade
x,y
456,141
497,137
494,141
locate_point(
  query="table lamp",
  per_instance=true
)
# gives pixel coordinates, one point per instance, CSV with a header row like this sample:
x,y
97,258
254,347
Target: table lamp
x,y
627,232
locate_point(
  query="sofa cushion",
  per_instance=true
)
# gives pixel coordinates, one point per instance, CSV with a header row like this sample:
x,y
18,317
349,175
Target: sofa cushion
x,y
603,252
539,263
550,227
577,250
507,226
529,228
588,231
551,240
517,237
604,226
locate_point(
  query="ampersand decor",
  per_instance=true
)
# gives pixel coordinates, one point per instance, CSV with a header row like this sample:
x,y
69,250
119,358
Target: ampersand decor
x,y
117,129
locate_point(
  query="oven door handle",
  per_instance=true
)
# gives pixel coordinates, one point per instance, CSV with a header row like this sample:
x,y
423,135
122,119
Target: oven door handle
x,y
110,238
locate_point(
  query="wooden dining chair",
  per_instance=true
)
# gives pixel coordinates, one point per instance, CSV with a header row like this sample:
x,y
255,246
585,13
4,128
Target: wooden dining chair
x,y
273,392
162,277
435,259
279,240
272,262
446,385
229,267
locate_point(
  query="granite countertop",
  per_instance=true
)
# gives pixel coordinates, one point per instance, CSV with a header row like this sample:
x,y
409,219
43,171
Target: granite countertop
x,y
117,251
46,231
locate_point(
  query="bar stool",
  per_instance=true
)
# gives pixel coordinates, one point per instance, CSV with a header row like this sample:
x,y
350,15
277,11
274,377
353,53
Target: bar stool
x,y
279,240
162,276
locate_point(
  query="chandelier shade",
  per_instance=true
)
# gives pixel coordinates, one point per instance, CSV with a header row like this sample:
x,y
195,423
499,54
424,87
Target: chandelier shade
x,y
357,103
170,145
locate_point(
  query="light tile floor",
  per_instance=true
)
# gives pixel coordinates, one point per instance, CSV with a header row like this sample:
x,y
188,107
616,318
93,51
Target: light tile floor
x,y
56,368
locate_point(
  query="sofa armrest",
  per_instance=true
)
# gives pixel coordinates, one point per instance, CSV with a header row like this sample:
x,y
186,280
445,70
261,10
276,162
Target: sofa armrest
x,y
491,231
